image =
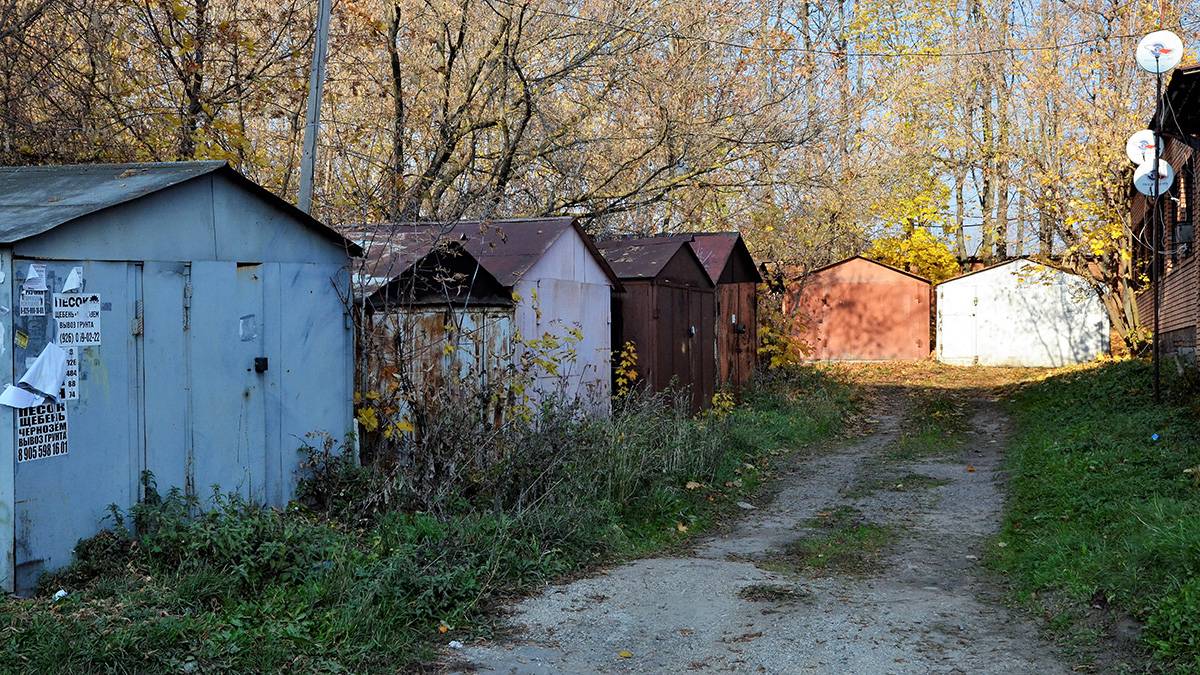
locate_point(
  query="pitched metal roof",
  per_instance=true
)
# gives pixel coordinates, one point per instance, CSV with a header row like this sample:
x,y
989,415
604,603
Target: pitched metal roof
x,y
37,199
714,249
444,273
873,262
1010,261
390,252
645,258
640,258
506,248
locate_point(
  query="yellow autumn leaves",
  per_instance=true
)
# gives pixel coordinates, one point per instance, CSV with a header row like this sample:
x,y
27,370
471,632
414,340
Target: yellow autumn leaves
x,y
372,415
918,252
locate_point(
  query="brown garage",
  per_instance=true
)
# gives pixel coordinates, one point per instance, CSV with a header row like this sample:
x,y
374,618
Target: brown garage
x,y
667,310
860,310
731,267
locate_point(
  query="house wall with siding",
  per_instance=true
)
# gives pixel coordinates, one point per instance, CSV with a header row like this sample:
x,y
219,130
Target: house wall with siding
x,y
1180,288
1180,315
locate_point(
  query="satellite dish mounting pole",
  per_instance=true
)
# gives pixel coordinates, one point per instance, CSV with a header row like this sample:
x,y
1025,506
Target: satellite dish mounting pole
x,y
1156,236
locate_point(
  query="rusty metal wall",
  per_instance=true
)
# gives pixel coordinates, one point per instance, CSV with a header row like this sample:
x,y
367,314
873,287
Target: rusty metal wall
x,y
860,311
434,349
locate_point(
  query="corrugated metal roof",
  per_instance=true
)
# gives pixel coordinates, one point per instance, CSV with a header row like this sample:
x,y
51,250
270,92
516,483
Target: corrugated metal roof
x,y
37,199
641,258
506,248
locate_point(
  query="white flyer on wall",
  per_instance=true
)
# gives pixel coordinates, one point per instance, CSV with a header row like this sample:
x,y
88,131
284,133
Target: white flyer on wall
x,y
70,387
33,302
41,432
35,278
78,318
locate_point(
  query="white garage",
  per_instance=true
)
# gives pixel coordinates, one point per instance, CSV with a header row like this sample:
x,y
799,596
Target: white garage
x,y
1020,313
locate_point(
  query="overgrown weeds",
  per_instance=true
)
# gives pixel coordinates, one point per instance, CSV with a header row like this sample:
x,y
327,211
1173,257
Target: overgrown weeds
x,y
368,572
1102,510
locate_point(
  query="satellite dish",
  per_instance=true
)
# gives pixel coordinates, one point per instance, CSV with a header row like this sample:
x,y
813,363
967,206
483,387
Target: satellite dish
x,y
1143,178
1159,51
1140,147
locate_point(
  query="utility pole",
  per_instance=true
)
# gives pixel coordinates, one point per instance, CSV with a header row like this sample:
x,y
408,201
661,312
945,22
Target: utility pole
x,y
312,120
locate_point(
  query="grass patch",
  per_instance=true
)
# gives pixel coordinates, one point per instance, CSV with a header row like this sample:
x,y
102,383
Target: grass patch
x,y
1100,512
935,425
910,482
842,543
774,593
359,583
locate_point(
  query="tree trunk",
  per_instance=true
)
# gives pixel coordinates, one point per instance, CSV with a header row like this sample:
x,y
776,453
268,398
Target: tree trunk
x,y
396,161
193,84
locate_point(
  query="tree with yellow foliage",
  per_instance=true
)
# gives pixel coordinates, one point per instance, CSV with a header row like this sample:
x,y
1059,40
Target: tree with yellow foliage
x,y
918,252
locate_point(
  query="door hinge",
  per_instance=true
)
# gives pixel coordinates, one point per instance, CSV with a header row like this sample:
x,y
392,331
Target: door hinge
x,y
138,320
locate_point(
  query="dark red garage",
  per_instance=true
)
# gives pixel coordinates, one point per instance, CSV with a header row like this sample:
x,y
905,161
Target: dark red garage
x,y
667,310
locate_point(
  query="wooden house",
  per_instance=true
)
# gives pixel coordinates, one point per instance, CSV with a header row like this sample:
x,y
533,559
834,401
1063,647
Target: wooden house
x,y
859,309
667,311
1179,317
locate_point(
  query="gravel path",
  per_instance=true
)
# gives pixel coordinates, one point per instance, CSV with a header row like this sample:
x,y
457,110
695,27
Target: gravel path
x,y
925,607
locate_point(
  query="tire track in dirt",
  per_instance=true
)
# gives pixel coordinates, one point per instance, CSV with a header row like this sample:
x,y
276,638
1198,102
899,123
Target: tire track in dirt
x,y
730,606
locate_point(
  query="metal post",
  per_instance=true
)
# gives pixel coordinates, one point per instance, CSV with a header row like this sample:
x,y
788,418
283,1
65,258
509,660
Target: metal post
x,y
1156,238
8,418
308,157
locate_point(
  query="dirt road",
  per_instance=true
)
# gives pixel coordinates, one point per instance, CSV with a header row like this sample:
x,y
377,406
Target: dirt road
x,y
866,560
